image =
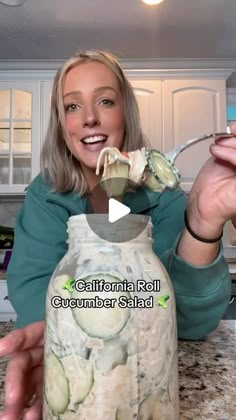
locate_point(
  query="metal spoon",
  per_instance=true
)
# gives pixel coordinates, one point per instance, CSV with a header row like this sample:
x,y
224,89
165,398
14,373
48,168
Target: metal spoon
x,y
172,155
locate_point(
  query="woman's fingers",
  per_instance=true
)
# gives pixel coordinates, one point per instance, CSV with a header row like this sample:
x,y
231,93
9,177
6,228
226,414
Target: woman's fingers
x,y
20,379
35,410
18,371
11,413
25,388
225,153
24,338
232,126
18,411
226,142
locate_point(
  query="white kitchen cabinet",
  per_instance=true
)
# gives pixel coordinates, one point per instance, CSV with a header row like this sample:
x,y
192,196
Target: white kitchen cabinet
x,y
46,93
19,134
174,111
149,97
7,312
192,108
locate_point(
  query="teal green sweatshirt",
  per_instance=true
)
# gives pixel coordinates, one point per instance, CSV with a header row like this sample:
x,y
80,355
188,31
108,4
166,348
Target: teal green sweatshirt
x,y
202,293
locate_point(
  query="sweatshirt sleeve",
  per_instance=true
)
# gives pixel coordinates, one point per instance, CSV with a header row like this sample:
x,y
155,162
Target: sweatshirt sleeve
x,y
202,293
40,243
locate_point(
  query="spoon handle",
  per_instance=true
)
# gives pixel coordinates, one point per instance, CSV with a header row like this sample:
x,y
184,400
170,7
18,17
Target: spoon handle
x,y
172,155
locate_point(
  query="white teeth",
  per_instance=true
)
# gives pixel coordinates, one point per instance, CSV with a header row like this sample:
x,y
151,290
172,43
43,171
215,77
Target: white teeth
x,y
94,139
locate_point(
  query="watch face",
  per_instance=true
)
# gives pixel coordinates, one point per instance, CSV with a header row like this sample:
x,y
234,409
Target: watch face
x,y
163,170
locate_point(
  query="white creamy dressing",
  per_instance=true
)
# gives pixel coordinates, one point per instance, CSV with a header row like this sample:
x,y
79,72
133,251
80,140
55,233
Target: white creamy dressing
x,y
126,358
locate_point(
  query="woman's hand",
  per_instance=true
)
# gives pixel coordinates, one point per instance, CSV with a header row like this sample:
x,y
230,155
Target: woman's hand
x,y
212,200
24,376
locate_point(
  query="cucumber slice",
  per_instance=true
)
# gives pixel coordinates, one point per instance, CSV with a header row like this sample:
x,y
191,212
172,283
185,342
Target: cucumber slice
x,y
124,414
101,322
70,335
113,353
151,182
153,408
80,375
163,170
64,337
147,407
57,390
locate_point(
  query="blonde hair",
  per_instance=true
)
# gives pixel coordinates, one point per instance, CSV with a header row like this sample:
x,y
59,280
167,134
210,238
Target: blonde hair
x,y
59,167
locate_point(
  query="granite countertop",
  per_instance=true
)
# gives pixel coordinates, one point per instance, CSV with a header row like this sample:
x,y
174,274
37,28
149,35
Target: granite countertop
x,y
207,374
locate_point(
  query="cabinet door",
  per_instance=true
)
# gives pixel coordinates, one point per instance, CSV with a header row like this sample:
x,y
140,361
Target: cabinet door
x,y
149,97
46,92
19,134
192,108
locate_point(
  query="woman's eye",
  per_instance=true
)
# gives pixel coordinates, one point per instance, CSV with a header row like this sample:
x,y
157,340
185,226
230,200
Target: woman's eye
x,y
71,107
107,102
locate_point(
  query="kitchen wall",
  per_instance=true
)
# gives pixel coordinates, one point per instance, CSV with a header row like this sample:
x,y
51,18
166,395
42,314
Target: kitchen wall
x,y
9,208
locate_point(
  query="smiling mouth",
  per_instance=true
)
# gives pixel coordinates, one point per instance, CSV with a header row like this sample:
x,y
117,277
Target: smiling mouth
x,y
94,139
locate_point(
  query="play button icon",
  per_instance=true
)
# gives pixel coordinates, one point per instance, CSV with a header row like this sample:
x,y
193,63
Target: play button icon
x,y
117,218
117,210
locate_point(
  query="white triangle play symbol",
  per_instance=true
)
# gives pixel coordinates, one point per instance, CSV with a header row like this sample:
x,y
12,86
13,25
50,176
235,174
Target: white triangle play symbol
x,y
117,210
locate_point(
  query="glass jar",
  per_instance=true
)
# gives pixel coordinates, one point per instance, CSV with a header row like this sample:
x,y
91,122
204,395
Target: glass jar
x,y
111,337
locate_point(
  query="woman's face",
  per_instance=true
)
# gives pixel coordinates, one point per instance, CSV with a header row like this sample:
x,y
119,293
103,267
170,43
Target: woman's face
x,y
94,111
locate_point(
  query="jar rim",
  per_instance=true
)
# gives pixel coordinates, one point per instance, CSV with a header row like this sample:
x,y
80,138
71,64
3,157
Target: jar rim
x,y
103,216
130,219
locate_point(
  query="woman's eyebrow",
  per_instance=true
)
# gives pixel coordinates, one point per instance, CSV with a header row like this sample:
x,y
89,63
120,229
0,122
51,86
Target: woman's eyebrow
x,y
101,88
77,93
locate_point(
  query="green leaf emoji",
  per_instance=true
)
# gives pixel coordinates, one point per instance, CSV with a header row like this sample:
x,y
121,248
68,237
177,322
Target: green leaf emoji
x,y
69,285
162,301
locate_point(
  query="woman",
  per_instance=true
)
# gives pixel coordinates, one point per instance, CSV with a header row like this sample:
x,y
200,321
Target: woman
x,y
93,106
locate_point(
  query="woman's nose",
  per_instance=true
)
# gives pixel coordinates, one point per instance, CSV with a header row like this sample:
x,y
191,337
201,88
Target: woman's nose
x,y
90,117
